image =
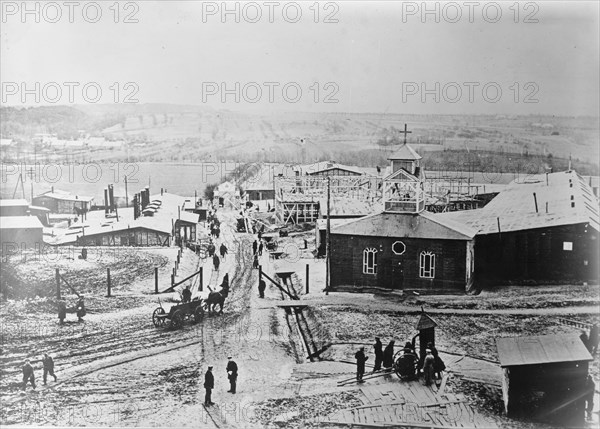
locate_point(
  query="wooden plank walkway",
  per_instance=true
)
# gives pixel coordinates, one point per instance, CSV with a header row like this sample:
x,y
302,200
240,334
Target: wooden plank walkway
x,y
392,402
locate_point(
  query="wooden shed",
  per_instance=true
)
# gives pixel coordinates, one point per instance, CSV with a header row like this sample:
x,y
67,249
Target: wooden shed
x,y
544,377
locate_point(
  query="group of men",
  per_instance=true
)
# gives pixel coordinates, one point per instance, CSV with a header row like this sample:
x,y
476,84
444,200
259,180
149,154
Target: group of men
x,y
28,371
209,380
409,363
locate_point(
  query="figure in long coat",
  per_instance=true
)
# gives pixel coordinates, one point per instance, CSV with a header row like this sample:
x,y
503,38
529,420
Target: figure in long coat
x,y
216,262
360,364
254,247
378,354
388,356
209,385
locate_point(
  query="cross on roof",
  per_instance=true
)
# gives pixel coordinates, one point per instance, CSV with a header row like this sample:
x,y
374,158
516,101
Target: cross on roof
x,y
405,132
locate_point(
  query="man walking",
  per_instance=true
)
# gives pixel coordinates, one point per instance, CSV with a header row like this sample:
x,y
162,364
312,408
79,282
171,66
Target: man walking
x,y
223,250
378,354
48,367
28,374
261,288
216,262
254,247
232,373
360,364
209,385
260,248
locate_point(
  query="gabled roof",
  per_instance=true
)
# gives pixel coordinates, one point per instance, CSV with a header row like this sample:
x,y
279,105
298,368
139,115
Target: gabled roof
x,y
405,152
425,321
65,196
542,349
400,225
323,166
401,172
514,206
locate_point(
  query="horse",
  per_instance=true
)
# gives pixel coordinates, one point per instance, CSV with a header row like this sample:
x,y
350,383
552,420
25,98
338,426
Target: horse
x,y
215,298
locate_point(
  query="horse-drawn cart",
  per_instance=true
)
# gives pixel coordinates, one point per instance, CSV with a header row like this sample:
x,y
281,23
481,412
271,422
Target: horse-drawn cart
x,y
193,311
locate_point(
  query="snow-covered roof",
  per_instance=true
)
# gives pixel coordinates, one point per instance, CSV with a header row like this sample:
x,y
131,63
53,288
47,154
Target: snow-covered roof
x,y
65,196
405,152
567,196
399,225
20,222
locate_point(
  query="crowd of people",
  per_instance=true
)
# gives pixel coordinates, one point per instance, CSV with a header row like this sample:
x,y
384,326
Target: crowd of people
x,y
408,365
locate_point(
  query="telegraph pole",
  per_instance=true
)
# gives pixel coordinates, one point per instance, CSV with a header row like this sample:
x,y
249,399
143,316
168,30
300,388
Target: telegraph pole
x,y
126,196
328,243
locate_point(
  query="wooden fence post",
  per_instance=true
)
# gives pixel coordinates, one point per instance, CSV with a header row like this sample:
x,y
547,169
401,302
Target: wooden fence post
x,y
57,284
307,287
156,280
108,281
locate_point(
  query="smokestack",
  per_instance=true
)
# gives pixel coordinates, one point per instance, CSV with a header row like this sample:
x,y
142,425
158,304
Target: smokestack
x,y
136,207
105,202
161,191
535,201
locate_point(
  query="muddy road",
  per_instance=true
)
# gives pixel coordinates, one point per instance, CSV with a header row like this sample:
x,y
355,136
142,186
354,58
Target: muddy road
x,y
117,369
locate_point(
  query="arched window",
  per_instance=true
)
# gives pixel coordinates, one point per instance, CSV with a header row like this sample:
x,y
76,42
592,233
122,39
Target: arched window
x,y
370,261
427,265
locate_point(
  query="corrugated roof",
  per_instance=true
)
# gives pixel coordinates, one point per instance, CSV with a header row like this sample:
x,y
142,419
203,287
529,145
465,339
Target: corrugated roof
x,y
20,222
542,349
397,225
569,198
13,203
405,152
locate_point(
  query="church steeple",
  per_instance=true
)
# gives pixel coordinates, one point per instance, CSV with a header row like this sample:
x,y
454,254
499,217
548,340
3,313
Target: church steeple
x,y
403,188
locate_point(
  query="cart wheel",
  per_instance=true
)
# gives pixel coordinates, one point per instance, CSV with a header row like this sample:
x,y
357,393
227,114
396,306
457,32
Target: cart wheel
x,y
177,319
158,321
198,314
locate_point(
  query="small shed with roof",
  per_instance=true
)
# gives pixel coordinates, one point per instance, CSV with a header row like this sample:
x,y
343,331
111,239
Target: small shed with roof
x,y
544,377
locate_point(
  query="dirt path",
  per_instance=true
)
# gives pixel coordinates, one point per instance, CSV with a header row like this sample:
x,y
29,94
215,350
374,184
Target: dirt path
x,y
118,369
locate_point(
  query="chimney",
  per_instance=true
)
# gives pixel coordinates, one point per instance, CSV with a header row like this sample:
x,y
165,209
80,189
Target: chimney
x,y
136,207
111,198
105,201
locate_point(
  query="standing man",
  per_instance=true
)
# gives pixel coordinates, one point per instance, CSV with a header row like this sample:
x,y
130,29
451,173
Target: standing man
x,y
590,388
255,261
186,294
428,370
209,385
232,373
261,288
28,374
378,354
254,247
388,356
260,248
48,367
360,364
216,262
223,250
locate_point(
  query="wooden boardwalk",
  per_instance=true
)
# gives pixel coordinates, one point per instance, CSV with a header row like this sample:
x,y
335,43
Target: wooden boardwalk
x,y
392,402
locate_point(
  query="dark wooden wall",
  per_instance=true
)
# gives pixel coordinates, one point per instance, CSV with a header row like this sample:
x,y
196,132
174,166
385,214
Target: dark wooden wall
x,y
347,263
537,255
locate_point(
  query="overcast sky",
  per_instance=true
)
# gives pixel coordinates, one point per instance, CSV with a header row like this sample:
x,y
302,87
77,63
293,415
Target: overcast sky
x,y
377,57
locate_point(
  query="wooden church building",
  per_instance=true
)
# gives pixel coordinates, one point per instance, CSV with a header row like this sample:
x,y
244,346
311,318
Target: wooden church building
x,y
403,247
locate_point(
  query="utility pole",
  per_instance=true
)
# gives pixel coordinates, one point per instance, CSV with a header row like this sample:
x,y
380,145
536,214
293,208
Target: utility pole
x,y
328,244
126,196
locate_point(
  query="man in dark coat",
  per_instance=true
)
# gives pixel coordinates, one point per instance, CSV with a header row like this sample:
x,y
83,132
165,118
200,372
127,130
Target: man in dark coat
x,y
261,288
186,295
260,248
48,367
232,373
360,364
378,354
254,247
209,385
223,250
388,356
216,262
28,374
255,261
590,388
438,363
